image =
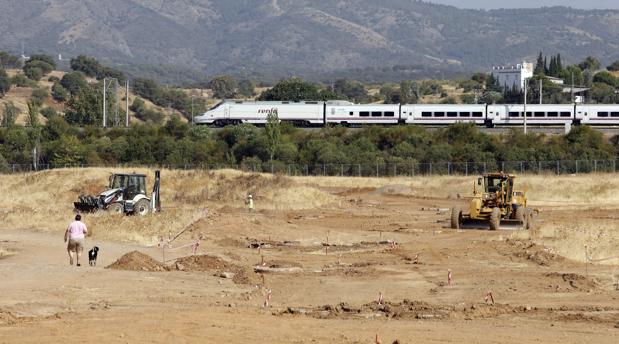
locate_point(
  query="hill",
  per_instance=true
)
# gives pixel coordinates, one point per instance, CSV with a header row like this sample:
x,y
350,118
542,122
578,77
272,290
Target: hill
x,y
186,39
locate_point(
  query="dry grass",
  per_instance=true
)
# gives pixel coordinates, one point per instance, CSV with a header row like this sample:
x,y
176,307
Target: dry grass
x,y
5,252
599,189
44,200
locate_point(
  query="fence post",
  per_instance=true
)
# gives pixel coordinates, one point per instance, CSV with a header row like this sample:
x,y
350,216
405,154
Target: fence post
x,y
521,167
412,169
576,167
539,167
449,168
595,166
272,168
395,170
289,173
359,170
324,170
341,170
614,166
306,170
558,167
503,166
485,163
430,169
466,169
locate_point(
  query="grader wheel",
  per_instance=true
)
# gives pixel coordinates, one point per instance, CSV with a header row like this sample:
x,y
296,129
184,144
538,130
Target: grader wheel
x,y
456,217
495,219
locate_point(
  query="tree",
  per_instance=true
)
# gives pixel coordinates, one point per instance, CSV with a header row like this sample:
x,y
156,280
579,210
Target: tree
x,y
273,133
247,88
607,78
539,66
8,61
350,90
590,63
602,93
73,82
59,93
614,67
295,89
33,114
5,82
9,115
224,87
91,67
408,92
39,65
86,107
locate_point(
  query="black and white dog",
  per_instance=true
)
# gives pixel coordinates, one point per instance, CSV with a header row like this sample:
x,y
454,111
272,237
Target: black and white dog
x,y
92,256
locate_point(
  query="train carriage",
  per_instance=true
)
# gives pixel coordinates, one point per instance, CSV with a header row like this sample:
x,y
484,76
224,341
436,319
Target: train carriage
x,y
601,114
438,114
544,114
304,113
346,113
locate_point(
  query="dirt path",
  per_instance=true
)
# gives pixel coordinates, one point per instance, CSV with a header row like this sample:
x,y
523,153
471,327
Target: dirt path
x,y
319,293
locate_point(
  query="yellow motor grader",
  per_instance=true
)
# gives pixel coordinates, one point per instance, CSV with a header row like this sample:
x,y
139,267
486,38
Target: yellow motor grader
x,y
495,201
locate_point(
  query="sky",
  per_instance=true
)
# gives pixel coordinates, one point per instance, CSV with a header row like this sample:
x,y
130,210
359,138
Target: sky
x,y
492,4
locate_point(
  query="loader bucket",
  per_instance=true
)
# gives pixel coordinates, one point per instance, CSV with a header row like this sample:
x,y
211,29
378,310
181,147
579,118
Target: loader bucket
x,y
86,204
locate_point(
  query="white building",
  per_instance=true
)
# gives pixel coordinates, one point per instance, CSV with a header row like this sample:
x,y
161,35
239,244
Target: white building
x,y
513,76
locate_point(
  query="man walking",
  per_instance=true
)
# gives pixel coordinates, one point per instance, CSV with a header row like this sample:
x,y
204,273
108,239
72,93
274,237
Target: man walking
x,y
75,235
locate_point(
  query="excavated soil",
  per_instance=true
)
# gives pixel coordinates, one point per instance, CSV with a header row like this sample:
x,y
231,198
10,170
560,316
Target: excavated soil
x,y
137,261
206,263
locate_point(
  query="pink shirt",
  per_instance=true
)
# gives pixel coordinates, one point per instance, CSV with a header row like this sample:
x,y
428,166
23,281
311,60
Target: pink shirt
x,y
77,229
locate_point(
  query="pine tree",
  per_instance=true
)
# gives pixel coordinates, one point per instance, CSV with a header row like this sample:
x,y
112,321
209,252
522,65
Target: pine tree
x,y
545,66
559,64
539,66
553,66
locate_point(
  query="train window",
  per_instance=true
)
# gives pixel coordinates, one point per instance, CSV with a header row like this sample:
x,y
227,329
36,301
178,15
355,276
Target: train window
x,y
351,113
376,114
566,114
452,114
529,114
426,114
389,114
614,114
439,114
540,114
333,111
514,114
478,114
465,114
364,114
602,114
553,114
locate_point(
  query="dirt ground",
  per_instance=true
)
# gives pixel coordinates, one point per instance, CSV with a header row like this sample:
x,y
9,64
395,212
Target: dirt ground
x,y
372,262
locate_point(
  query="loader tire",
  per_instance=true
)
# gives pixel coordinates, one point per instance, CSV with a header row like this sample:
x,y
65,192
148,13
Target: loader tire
x,y
456,217
522,215
530,223
116,209
495,219
141,207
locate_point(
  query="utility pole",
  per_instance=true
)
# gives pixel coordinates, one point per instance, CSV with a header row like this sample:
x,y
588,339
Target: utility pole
x,y
127,103
525,105
104,102
116,114
192,96
541,94
572,90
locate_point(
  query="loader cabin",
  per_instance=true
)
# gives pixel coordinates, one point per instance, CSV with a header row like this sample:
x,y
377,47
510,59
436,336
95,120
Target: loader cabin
x,y
131,184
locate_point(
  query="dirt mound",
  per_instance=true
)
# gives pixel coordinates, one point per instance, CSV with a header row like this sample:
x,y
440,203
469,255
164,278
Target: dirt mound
x,y
137,261
409,309
527,249
572,281
216,265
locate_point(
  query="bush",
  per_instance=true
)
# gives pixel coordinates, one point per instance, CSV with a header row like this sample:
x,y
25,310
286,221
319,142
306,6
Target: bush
x,y
20,80
33,73
48,112
73,82
39,95
5,82
53,79
59,93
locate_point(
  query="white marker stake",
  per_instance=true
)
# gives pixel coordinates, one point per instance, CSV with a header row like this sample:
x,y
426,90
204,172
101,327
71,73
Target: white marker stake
x,y
449,277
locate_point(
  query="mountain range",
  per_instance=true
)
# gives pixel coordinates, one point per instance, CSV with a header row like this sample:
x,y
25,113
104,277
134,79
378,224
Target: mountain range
x,y
317,39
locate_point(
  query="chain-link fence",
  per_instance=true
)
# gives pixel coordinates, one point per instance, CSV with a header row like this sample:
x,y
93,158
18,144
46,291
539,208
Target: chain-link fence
x,y
373,170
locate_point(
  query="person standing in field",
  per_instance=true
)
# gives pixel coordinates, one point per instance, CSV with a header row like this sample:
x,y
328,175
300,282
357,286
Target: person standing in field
x,y
76,231
250,203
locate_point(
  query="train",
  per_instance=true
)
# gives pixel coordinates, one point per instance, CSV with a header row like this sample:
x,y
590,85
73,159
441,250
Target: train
x,y
320,113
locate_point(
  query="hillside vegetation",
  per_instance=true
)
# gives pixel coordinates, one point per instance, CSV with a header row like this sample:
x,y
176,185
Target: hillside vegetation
x,y
378,40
